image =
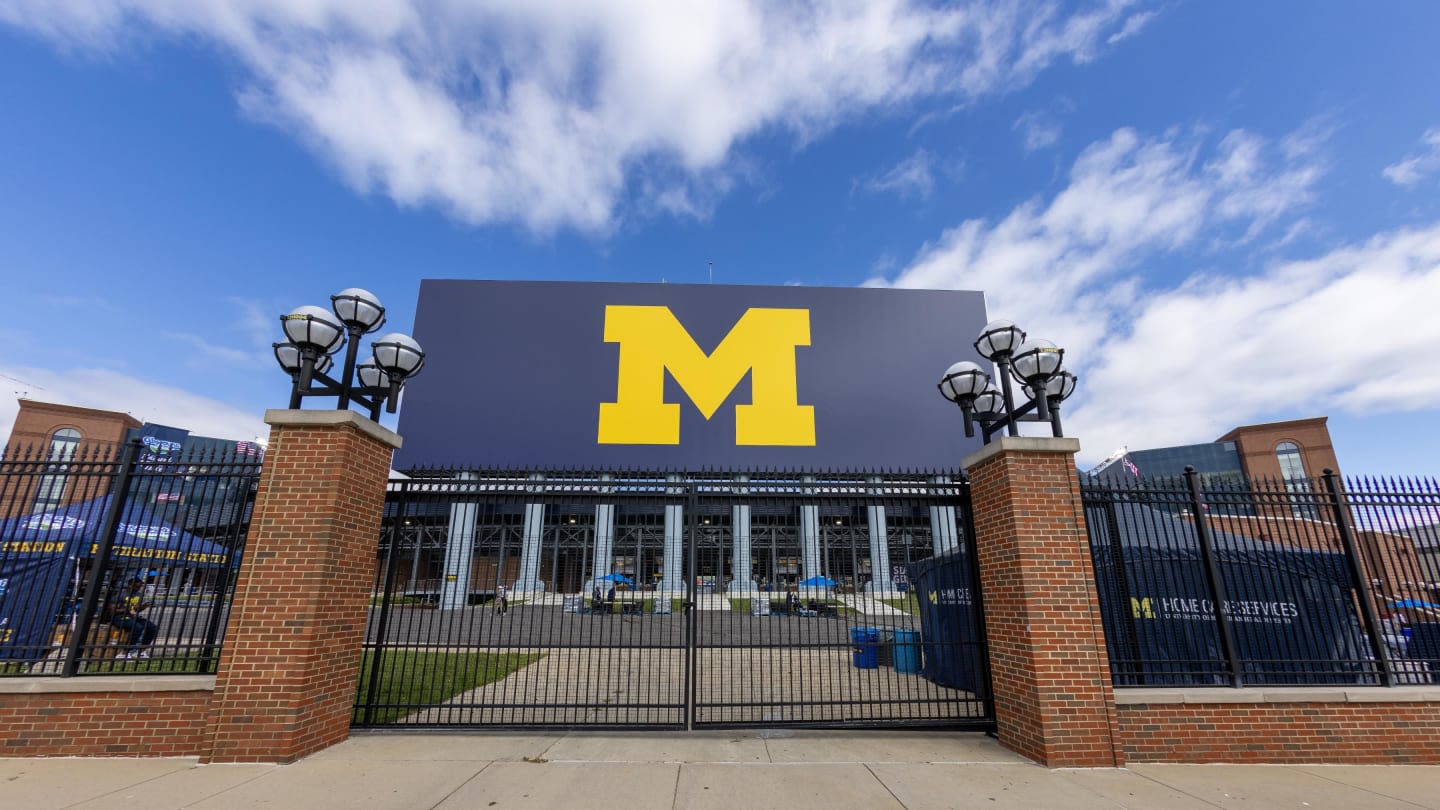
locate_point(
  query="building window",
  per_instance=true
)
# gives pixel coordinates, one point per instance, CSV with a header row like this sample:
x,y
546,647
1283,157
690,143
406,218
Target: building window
x,y
1292,470
50,494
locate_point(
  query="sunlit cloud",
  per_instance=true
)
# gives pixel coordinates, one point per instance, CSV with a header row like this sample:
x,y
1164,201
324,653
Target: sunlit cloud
x,y
143,399
549,114
1073,268
1419,164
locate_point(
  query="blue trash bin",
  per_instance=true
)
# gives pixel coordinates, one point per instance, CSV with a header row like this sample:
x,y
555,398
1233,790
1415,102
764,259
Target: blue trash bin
x,y
866,642
907,650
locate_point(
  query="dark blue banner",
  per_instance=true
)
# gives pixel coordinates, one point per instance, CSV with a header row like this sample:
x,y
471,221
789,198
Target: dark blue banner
x,y
160,443
950,622
31,591
548,374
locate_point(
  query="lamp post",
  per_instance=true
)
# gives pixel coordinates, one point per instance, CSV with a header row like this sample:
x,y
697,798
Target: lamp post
x,y
313,335
1034,363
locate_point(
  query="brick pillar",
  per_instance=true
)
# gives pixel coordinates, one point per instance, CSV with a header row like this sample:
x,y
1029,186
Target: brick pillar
x,y
1053,698
289,669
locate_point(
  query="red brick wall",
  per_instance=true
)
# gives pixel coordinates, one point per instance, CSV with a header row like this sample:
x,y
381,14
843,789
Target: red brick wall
x,y
1359,733
1050,670
290,665
108,724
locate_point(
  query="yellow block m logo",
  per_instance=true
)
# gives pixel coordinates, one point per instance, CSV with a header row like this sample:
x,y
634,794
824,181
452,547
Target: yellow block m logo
x,y
762,343
1141,608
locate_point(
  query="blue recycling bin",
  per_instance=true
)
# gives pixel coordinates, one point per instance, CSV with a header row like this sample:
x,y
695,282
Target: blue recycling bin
x,y
866,643
907,650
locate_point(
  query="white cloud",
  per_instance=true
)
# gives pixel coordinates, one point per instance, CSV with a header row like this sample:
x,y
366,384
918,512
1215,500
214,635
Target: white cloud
x,y
145,400
1413,168
1073,269
546,112
1132,26
1038,129
1298,339
1057,266
911,177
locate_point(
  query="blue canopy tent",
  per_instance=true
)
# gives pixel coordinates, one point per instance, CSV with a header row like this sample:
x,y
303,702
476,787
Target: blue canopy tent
x,y
818,582
39,555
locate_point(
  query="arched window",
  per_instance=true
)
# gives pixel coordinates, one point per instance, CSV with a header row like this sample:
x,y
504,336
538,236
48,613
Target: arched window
x,y
1292,466
50,494
1292,470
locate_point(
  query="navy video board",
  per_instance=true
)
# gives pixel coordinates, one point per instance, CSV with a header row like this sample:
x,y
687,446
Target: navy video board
x,y
686,377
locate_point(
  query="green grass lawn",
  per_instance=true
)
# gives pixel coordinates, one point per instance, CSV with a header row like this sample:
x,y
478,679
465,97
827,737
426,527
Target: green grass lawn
x,y
907,604
412,679
776,605
647,605
173,663
186,663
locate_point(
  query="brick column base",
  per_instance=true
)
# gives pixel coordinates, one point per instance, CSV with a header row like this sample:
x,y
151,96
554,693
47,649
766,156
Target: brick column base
x,y
1053,698
291,661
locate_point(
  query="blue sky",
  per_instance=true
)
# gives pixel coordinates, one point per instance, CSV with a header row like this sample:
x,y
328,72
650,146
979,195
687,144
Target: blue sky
x,y
1226,212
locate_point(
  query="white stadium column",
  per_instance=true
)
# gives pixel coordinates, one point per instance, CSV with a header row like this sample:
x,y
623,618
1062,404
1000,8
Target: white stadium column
x,y
810,536
942,520
742,574
459,551
534,536
672,578
880,582
604,537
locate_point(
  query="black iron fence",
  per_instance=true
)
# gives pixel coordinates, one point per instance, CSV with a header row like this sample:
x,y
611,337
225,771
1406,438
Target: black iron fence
x,y
1318,581
673,600
119,560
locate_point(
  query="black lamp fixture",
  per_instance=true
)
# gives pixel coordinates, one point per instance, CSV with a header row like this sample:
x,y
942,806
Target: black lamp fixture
x,y
1034,363
313,335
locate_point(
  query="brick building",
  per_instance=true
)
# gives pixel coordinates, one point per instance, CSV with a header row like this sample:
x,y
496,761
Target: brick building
x,y
1293,450
48,432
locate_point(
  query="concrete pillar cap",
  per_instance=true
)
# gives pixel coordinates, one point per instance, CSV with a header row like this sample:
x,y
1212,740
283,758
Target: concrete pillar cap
x,y
1020,444
277,417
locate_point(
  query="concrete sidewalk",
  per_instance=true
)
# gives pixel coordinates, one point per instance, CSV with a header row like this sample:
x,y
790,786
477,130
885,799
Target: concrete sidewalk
x,y
734,771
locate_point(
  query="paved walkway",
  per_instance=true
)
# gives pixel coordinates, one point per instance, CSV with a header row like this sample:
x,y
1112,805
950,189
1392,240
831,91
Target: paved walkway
x,y
776,769
616,686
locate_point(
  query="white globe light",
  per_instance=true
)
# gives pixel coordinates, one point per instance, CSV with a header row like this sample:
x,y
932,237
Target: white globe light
x,y
1058,388
998,337
371,376
1061,386
398,355
313,328
989,403
1037,361
964,379
358,308
288,356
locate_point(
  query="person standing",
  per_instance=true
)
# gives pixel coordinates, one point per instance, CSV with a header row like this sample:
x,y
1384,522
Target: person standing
x,y
595,600
502,601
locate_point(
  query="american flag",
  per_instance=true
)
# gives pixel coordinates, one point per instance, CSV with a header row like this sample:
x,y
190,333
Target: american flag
x,y
1130,465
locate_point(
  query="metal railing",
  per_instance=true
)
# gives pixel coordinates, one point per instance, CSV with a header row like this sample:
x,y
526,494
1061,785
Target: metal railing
x,y
669,600
1319,581
116,560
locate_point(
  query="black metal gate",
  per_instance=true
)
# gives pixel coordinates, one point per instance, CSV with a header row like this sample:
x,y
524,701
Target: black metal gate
x,y
668,601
